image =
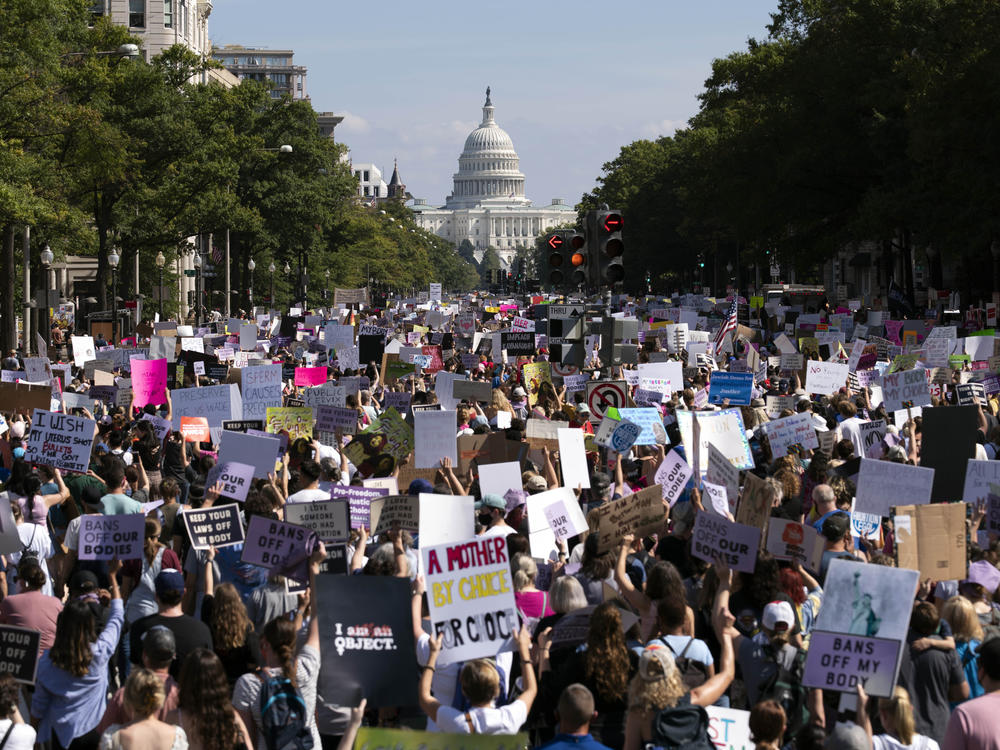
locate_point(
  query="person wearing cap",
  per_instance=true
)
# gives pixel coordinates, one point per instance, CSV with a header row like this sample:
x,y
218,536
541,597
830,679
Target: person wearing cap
x,y
189,632
836,530
657,685
519,402
158,651
490,512
975,724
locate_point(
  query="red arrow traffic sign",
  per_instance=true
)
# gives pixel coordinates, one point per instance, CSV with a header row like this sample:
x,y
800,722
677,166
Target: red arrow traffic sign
x,y
555,241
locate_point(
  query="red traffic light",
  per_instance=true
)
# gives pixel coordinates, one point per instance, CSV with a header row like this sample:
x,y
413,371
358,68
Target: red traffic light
x,y
613,223
555,241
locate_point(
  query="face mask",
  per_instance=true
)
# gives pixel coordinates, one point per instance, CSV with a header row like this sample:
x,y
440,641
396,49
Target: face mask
x,y
485,518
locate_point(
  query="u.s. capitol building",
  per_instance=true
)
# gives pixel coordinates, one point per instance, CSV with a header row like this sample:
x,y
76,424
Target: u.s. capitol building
x,y
487,205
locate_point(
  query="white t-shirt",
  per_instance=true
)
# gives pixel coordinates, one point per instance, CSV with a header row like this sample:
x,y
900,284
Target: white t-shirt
x,y
885,742
36,538
308,496
850,429
499,530
22,736
246,693
504,720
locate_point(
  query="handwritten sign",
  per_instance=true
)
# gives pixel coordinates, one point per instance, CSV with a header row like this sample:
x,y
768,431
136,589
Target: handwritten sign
x,y
60,440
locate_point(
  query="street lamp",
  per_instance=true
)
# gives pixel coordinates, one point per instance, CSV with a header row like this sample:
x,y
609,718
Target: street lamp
x,y
128,51
46,258
288,270
282,149
113,259
271,269
199,285
250,267
160,261
326,287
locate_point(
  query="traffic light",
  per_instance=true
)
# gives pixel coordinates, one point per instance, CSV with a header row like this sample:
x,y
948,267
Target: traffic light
x,y
609,247
578,258
555,260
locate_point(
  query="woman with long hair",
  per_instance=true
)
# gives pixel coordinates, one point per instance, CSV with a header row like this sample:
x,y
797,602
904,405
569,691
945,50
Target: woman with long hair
x,y
144,696
531,603
71,687
15,734
205,710
662,580
233,637
280,659
767,725
149,449
896,716
596,569
605,667
967,630
25,488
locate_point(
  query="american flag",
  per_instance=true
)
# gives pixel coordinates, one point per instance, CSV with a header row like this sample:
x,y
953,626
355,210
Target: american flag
x,y
728,325
217,254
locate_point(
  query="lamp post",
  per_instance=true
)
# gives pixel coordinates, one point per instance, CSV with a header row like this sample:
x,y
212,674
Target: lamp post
x,y
160,261
288,270
326,287
197,288
271,270
46,258
250,267
113,259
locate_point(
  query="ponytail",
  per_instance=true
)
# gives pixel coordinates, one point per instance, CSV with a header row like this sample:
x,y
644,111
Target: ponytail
x,y
151,544
280,636
899,708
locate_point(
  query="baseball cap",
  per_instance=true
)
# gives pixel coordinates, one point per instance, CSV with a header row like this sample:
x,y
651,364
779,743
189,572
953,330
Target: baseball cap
x,y
19,452
536,483
519,392
492,501
515,498
656,663
169,580
84,580
582,409
778,613
836,526
91,495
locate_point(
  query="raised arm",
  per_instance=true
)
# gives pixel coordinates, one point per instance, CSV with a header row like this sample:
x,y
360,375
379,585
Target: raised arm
x,y
315,560
428,703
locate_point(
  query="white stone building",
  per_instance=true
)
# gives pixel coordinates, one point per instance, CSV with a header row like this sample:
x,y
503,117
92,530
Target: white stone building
x,y
370,181
487,205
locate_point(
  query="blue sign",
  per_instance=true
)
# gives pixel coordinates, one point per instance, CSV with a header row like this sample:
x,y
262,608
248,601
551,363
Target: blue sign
x,y
650,421
736,386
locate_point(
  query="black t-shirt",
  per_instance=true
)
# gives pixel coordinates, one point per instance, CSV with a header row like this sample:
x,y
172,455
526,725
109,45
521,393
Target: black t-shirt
x,y
189,634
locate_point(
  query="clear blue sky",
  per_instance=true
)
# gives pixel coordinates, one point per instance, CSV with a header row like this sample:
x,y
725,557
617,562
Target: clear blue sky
x,y
572,81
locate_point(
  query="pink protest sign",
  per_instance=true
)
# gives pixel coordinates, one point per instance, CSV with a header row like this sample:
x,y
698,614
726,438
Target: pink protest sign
x,y
310,375
149,381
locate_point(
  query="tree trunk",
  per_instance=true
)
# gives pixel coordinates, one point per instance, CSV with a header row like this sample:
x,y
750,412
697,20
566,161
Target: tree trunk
x,y
9,332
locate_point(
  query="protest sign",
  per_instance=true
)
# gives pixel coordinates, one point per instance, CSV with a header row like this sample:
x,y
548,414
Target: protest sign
x,y
979,475
728,728
794,434
83,349
111,537
948,442
872,434
261,389
328,518
724,429
149,381
434,437
386,441
665,377
216,526
445,519
650,422
333,418
278,545
366,641
235,478
471,597
573,458
861,628
560,504
260,451
905,389
359,501
931,539
242,425
372,738
672,476
497,479
403,510
296,421
19,649
792,362
195,430
754,508
880,483
214,402
971,394
642,513
472,390
790,540
624,436
718,540
722,472
737,387
825,377
161,426
774,405
60,441
306,376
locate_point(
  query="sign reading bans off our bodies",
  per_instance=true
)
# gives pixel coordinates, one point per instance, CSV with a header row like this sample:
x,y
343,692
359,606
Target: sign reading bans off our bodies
x,y
471,597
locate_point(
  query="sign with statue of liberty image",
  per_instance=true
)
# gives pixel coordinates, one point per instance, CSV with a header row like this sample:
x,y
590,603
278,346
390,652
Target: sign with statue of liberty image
x,y
861,628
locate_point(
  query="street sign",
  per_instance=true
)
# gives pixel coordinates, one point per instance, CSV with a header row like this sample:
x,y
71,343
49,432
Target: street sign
x,y
190,272
604,394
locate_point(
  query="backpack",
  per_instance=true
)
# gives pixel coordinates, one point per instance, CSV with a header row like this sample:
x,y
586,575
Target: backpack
x,y
282,714
784,684
681,727
693,673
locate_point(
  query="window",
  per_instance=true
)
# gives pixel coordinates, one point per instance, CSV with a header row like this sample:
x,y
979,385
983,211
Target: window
x,y
96,9
365,178
366,190
168,14
137,13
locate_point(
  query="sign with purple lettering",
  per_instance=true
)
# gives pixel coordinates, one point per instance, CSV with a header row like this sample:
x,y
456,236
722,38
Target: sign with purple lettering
x,y
112,537
279,546
360,500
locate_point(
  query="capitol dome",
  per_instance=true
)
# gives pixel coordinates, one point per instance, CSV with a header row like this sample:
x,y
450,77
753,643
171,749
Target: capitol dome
x,y
488,169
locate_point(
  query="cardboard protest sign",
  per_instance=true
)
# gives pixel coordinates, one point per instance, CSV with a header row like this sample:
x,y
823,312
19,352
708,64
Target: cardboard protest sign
x,y
470,595
650,422
195,430
573,458
931,539
497,479
366,641
722,472
737,387
110,537
359,502
260,451
434,437
328,518
296,421
754,508
216,526
60,440
790,540
905,389
261,390
385,442
149,381
374,738
642,513
446,519
403,510
881,483
235,478
717,539
724,429
19,649
979,475
861,628
672,476
278,546
794,434
729,728
472,390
